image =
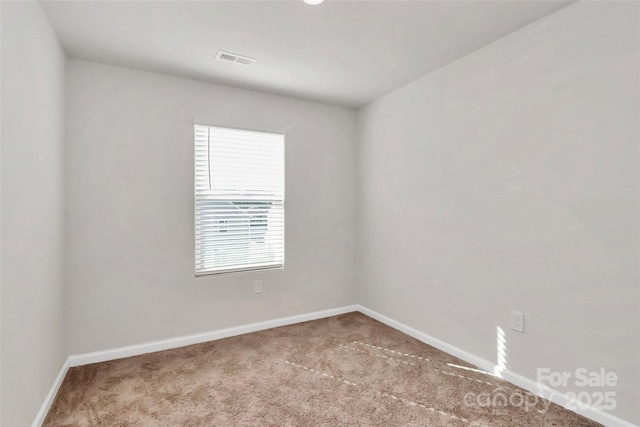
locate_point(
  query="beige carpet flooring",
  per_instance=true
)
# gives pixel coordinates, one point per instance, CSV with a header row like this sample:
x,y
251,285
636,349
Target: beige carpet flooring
x,y
348,370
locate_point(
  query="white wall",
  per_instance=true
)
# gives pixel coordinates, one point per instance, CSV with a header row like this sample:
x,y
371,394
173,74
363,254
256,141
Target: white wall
x,y
509,180
32,216
130,215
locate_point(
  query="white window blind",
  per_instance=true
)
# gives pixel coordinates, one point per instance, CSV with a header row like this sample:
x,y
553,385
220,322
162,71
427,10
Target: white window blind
x,y
239,186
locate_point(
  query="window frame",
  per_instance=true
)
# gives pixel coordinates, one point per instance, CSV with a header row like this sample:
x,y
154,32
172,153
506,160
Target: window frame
x,y
248,268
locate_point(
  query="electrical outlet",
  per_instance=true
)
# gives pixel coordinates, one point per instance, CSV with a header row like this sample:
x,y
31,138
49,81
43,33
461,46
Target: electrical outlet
x,y
257,286
517,321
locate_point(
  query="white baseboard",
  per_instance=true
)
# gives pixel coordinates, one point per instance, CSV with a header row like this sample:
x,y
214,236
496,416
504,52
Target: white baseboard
x,y
595,414
53,391
150,347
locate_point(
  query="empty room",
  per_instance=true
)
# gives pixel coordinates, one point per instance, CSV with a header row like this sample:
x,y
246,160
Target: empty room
x,y
320,213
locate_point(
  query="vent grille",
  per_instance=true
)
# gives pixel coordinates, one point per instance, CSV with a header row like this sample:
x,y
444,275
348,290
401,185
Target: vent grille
x,y
238,59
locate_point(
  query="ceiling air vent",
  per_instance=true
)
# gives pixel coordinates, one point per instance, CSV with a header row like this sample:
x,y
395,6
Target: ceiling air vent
x,y
232,57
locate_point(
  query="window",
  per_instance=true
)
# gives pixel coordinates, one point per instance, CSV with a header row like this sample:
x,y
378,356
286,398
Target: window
x,y
239,186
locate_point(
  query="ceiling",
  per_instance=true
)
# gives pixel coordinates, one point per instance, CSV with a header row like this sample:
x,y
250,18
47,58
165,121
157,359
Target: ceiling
x,y
340,52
